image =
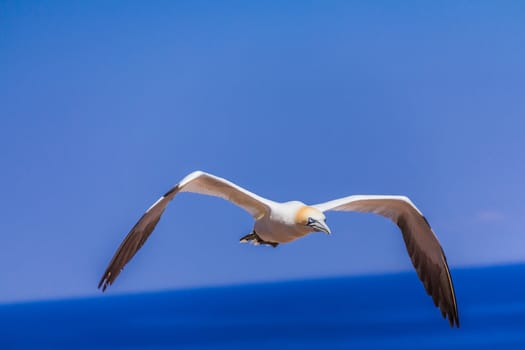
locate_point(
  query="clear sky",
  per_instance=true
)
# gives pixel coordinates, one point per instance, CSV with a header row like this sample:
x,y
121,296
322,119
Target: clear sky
x,y
105,105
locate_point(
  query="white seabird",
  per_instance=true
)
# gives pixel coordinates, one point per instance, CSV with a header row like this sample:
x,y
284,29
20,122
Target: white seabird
x,y
277,223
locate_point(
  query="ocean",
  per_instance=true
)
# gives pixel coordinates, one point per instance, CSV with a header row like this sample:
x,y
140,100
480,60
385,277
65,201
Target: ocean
x,y
364,312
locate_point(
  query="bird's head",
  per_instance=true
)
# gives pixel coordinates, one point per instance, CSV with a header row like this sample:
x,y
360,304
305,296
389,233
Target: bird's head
x,y
313,219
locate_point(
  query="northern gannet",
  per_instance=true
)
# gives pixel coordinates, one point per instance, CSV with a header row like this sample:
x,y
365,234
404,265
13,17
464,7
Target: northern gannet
x,y
277,223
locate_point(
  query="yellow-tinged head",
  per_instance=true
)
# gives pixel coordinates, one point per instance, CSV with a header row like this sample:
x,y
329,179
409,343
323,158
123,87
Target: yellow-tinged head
x,y
313,218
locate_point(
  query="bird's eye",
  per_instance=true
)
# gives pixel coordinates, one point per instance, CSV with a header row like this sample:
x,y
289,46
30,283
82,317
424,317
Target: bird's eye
x,y
310,221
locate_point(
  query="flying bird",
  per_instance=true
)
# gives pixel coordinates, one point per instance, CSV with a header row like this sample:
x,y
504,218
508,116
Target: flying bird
x,y
277,223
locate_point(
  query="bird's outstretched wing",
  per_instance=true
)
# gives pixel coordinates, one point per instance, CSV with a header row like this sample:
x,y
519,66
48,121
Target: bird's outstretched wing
x,y
422,244
197,182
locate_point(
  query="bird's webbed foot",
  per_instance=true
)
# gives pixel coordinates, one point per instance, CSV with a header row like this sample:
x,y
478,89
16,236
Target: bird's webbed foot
x,y
256,240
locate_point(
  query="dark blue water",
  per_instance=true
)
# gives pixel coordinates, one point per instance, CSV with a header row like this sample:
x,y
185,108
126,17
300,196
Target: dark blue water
x,y
375,312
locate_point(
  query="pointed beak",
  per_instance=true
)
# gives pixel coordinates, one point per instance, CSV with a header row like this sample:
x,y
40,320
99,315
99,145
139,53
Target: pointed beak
x,y
320,226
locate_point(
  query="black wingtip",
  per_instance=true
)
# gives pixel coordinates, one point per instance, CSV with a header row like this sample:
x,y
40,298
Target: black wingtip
x,y
102,285
453,319
104,282
456,319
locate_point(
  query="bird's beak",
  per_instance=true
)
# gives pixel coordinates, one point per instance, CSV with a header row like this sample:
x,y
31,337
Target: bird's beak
x,y
320,226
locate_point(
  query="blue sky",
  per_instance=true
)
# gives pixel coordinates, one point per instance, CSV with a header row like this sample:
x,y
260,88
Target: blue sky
x,y
105,105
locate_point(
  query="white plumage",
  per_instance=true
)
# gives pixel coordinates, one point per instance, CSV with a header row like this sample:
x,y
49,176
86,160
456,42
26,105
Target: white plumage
x,y
277,223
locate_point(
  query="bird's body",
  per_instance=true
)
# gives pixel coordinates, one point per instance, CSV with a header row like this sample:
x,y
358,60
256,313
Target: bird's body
x,y
280,225
277,223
